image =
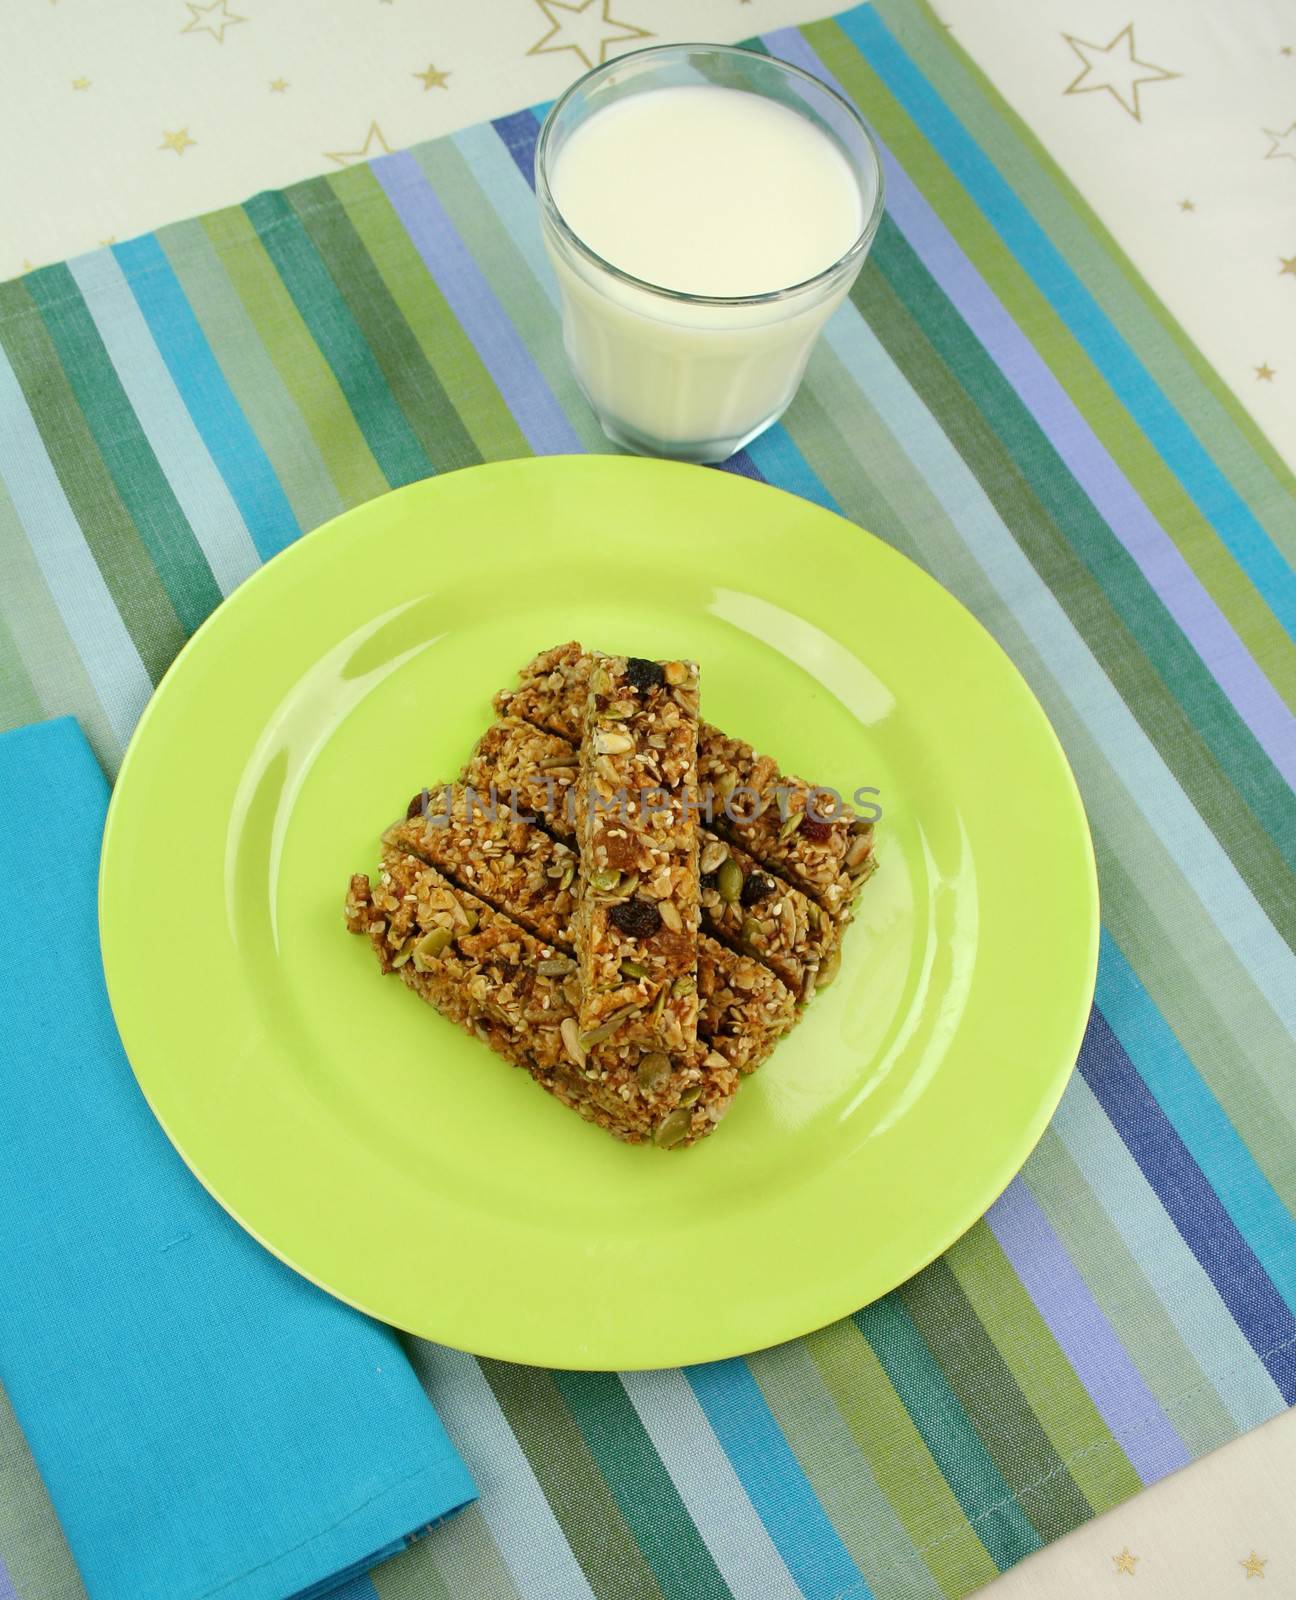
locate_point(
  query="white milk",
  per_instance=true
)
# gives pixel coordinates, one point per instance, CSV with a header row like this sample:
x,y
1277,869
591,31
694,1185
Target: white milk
x,y
704,191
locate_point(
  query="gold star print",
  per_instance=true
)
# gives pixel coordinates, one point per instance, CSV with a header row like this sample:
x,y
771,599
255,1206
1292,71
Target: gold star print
x,y
1125,1561
1286,50
80,83
374,145
1187,205
1283,147
1120,72
278,86
1265,372
1288,265
432,79
213,19
582,27
179,141
29,266
111,239
1254,1566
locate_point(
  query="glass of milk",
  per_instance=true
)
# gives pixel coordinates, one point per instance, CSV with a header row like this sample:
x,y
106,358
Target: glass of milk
x,y
706,208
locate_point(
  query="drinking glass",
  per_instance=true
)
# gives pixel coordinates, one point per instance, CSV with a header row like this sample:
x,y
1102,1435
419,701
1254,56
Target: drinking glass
x,y
695,376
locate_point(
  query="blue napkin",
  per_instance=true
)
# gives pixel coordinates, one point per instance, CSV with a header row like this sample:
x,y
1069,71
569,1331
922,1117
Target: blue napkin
x,y
207,1423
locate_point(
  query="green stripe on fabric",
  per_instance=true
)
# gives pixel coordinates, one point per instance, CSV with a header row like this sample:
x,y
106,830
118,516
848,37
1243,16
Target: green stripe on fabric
x,y
445,346
148,497
906,1471
252,376
837,1471
406,371
1243,1065
1111,567
19,702
1137,458
132,581
511,280
1219,419
1252,852
301,366
341,342
590,1518
1139,1318
986,1390
460,1559
1040,1372
649,1500
413,1575
35,1550
947,1430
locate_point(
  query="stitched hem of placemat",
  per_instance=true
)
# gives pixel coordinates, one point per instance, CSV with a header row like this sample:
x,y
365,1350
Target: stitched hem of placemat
x,y
27,308
433,1474
1209,1380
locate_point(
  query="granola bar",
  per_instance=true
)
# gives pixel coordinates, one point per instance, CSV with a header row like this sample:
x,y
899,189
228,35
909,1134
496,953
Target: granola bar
x,y
510,864
743,904
515,992
518,870
796,834
637,897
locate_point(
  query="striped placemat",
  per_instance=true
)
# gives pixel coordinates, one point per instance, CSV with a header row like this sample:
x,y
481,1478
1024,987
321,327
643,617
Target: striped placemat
x,y
1006,402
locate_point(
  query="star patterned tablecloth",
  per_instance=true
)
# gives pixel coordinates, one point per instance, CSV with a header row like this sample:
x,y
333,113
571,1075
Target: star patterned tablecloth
x,y
1176,121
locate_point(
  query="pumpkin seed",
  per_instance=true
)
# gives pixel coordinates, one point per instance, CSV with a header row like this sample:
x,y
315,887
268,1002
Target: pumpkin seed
x,y
686,983
751,931
633,971
605,880
555,966
791,825
691,1095
671,1129
730,882
653,1071
605,1030
829,970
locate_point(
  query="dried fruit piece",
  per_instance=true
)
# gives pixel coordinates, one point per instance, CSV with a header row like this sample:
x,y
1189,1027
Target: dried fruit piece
x,y
638,918
759,886
644,675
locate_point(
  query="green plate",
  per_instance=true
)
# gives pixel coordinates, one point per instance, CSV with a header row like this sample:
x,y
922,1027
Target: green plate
x,y
396,1162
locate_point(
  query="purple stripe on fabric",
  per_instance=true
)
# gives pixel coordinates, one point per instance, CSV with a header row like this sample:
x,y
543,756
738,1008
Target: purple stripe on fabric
x,y
742,466
7,1590
1084,1335
1171,578
496,340
519,133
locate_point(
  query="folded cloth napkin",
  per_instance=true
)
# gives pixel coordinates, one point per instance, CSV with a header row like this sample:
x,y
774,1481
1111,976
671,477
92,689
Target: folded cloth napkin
x,y
207,1423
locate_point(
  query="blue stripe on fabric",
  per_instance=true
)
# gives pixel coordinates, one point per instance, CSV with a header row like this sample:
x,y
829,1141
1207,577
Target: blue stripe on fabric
x,y
1198,1118
519,133
773,1481
1178,446
955,1446
210,401
777,459
1190,1202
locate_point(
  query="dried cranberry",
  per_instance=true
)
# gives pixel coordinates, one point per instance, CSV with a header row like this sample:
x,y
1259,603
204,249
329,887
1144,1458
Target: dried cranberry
x,y
817,832
708,880
757,886
644,675
638,918
417,804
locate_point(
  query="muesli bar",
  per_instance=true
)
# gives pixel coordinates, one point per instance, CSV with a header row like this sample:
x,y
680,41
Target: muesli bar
x,y
637,906
744,1008
472,836
798,833
743,903
517,993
